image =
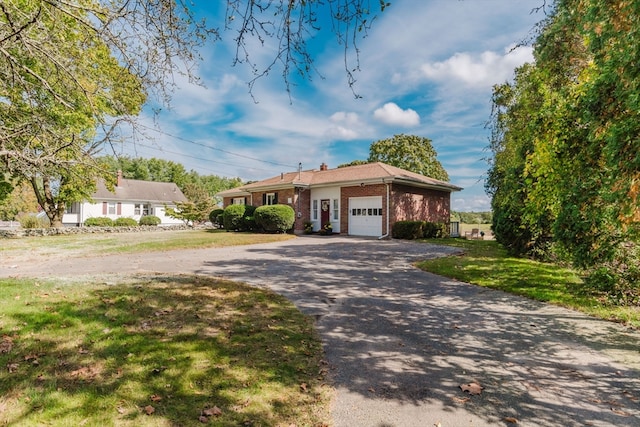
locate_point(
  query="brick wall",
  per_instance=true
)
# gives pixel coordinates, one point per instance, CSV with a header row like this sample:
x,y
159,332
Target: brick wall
x,y
419,204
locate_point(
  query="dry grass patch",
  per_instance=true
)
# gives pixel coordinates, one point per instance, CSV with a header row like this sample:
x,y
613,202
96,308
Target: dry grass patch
x,y
79,245
157,351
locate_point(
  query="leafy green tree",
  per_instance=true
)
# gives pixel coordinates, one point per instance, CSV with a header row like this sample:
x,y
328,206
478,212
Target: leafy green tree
x,y
68,69
566,138
353,163
20,200
161,170
196,209
72,72
410,152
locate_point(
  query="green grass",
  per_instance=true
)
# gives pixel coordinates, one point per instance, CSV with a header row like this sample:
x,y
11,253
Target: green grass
x,y
91,244
156,351
486,263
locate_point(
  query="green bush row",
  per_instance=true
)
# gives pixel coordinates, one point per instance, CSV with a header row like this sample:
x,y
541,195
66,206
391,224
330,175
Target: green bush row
x,y
412,230
103,221
273,218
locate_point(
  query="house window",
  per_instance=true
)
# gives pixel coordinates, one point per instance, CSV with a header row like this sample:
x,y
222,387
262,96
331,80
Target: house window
x,y
141,209
72,208
111,208
271,199
335,209
238,200
315,210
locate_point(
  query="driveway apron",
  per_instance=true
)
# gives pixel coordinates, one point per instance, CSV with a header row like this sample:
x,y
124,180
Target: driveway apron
x,y
401,342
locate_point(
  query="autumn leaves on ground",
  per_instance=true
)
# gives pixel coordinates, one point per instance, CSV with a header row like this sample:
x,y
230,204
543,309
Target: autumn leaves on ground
x,y
159,351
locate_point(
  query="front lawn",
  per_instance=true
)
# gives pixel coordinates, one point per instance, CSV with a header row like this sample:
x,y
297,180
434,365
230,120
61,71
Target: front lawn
x,y
107,243
156,351
486,263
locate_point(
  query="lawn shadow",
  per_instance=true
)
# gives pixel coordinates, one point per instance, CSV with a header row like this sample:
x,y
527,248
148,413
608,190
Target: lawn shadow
x,y
179,344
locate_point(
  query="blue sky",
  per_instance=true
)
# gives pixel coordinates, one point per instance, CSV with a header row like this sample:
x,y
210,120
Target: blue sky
x,y
426,68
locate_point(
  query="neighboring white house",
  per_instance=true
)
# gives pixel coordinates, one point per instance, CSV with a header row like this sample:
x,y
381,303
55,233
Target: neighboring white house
x,y
131,198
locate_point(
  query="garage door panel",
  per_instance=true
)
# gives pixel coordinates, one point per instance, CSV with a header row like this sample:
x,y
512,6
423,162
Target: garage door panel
x,y
365,216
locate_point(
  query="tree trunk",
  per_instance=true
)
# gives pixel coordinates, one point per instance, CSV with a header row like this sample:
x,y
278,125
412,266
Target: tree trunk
x,y
47,202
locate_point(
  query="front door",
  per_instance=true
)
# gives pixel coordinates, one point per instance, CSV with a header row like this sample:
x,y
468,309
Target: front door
x,y
325,212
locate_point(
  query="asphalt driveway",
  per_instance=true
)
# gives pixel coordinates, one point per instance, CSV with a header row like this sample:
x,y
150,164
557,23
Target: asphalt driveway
x,y
400,342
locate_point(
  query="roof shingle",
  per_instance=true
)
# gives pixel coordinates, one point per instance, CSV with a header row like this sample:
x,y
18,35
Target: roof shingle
x,y
143,191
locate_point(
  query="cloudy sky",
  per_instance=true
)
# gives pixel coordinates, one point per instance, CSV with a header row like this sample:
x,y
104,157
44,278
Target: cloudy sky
x,y
426,68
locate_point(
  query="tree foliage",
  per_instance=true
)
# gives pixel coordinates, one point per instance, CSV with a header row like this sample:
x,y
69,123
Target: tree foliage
x,y
19,200
566,138
160,170
197,207
73,72
410,152
70,72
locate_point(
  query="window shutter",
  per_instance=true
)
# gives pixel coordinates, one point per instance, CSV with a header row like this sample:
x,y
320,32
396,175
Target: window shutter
x,y
275,198
119,209
264,199
245,200
104,208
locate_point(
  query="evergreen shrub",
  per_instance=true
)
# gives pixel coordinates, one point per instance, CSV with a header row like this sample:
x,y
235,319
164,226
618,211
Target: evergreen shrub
x,y
125,222
99,221
150,220
275,218
409,230
233,217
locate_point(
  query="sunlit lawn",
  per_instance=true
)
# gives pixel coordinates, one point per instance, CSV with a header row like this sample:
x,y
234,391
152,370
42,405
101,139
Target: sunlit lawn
x,y
156,351
486,263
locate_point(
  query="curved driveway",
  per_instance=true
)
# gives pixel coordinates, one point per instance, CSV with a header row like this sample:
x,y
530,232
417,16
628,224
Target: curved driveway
x,y
400,341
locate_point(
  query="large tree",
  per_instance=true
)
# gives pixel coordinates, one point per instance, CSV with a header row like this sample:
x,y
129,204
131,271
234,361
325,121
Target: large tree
x,y
69,72
72,71
410,152
566,138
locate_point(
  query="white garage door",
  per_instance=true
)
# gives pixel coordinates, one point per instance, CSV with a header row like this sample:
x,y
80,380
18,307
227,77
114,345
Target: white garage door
x,y
365,216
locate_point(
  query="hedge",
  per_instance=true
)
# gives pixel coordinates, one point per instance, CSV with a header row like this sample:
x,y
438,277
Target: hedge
x,y
275,218
215,217
99,221
125,222
412,230
233,216
150,220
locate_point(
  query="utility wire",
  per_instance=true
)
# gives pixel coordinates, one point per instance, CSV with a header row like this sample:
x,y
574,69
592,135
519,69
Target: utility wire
x,y
197,158
215,148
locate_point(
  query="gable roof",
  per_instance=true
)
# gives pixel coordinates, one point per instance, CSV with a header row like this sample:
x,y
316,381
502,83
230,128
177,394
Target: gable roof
x,y
140,191
369,173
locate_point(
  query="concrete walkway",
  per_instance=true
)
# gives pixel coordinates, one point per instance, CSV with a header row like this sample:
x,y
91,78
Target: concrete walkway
x,y
400,341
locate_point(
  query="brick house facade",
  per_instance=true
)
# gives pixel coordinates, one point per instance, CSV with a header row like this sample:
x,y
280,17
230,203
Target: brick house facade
x,y
359,200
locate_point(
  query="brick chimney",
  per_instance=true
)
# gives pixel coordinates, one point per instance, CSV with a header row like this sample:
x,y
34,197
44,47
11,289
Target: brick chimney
x,y
119,183
323,166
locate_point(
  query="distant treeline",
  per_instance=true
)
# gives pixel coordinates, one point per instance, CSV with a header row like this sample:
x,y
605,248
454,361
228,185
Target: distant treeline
x,y
472,217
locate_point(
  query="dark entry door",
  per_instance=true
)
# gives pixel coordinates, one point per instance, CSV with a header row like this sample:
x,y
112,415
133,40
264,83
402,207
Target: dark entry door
x,y
325,212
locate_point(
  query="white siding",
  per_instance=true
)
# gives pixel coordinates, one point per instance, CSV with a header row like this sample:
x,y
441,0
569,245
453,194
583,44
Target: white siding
x,y
327,193
127,210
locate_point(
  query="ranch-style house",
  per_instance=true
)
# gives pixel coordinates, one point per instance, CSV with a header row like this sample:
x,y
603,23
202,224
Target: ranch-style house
x,y
362,200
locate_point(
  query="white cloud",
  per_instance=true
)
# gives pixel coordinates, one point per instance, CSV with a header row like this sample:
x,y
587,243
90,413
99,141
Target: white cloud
x,y
470,203
483,70
391,114
343,117
345,126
